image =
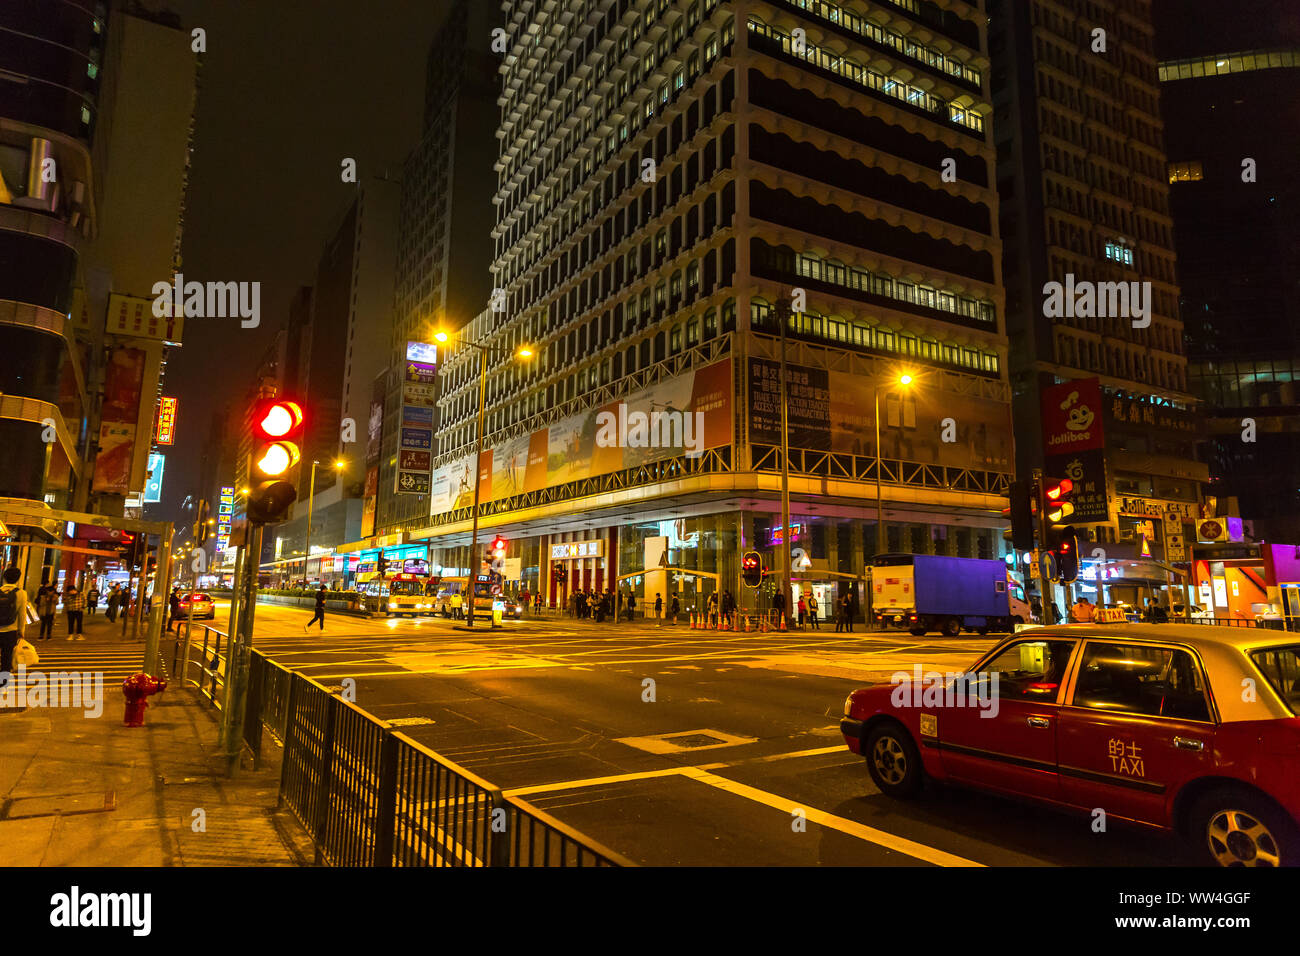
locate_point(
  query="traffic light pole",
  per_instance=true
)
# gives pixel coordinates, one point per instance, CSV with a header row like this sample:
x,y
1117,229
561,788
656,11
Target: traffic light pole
x,y
241,642
782,315
1045,589
478,460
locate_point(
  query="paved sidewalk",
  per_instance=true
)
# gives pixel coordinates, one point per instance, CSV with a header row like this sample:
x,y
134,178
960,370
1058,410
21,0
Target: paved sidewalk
x,y
81,790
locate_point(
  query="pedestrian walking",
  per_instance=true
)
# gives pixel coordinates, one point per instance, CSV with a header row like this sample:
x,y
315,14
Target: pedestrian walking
x,y
728,605
801,606
47,602
74,605
320,611
712,609
92,600
659,608
812,612
778,608
537,603
13,618
173,607
846,609
674,608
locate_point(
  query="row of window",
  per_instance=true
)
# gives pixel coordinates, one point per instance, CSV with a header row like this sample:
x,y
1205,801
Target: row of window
x,y
908,47
867,77
875,338
1228,63
835,272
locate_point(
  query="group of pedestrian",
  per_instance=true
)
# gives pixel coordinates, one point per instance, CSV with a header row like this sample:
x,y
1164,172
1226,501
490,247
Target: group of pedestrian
x,y
597,605
48,597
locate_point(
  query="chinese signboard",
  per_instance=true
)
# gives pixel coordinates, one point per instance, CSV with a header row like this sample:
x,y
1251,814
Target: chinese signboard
x,y
1073,445
225,511
166,421
419,395
128,315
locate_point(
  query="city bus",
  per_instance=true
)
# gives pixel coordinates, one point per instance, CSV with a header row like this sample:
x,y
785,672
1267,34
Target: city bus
x,y
450,600
398,595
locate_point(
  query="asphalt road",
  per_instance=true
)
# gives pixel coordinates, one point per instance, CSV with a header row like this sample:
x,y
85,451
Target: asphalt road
x,y
581,718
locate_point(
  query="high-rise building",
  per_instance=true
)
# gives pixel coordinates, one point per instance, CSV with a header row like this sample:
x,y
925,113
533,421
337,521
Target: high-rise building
x,y
97,104
668,172
1230,95
444,248
1098,368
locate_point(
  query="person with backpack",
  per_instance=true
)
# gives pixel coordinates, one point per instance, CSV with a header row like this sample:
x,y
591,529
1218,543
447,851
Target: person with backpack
x,y
47,602
92,599
74,604
320,611
13,618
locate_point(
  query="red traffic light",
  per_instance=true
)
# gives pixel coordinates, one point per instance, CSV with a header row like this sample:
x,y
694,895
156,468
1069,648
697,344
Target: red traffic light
x,y
276,419
1062,487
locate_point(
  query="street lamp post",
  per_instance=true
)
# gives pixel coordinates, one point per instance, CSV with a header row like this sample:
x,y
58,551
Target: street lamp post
x,y
903,380
311,501
522,352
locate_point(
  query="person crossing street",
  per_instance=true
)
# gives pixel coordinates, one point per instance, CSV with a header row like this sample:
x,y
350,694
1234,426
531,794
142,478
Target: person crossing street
x,y
320,611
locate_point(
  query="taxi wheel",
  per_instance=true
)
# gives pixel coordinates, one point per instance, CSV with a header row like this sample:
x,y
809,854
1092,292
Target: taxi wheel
x,y
1240,828
893,760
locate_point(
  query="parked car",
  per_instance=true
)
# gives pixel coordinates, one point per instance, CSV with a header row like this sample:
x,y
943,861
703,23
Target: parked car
x,y
204,606
1192,612
1148,721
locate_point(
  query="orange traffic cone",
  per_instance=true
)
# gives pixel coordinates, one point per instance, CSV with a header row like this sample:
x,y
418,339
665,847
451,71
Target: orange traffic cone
x,y
782,619
745,618
692,620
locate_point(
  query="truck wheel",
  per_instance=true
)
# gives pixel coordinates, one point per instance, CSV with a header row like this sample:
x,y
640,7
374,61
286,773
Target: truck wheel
x,y
1236,827
893,760
916,631
951,627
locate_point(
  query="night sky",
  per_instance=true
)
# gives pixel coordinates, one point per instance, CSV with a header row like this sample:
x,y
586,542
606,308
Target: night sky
x,y
287,89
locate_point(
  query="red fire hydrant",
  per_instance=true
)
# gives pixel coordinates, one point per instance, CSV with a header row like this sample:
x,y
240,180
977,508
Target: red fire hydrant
x,y
136,688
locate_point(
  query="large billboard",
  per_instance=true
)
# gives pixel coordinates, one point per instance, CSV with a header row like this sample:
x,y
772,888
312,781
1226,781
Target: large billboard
x,y
835,411
685,415
123,383
1073,445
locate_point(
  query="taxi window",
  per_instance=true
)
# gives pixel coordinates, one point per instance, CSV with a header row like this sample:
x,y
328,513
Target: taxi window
x,y
1281,666
1030,670
1139,679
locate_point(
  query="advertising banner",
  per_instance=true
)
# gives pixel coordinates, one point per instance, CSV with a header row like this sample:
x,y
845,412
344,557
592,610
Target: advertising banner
x,y
835,411
166,421
123,382
415,440
1073,445
153,484
225,513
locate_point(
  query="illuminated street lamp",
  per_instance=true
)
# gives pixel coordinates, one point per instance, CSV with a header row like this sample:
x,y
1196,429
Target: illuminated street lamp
x,y
311,495
523,353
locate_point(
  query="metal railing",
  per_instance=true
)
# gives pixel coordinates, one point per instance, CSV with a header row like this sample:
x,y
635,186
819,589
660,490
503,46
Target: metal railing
x,y
371,796
210,663
1271,625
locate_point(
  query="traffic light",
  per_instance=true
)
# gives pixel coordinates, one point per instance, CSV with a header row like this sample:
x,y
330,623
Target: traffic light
x,y
561,574
1056,499
278,426
1065,546
125,546
1021,513
751,569
499,547
381,564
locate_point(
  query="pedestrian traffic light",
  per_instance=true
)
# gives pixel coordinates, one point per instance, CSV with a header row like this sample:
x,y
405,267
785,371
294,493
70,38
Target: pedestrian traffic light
x,y
1021,513
1056,499
278,426
751,569
1065,546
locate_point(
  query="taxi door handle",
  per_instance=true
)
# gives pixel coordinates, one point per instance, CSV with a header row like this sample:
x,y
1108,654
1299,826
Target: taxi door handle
x,y
1188,743
1038,722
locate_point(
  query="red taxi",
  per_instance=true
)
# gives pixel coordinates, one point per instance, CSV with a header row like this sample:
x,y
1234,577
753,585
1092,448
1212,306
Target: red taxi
x,y
1181,727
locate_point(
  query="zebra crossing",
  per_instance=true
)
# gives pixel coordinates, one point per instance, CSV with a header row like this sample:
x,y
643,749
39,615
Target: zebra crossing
x,y
116,661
